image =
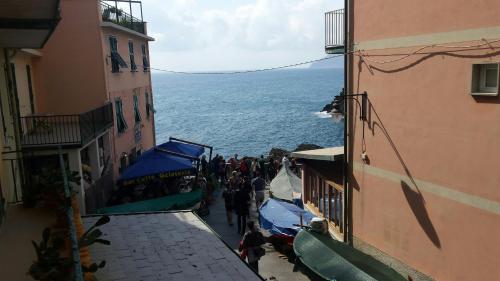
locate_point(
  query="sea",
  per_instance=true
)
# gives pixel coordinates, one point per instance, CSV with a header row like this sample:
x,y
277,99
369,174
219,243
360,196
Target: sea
x,y
250,113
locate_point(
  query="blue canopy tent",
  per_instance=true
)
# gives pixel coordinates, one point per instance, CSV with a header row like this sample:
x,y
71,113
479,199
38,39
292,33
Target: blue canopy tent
x,y
210,148
155,163
183,148
171,159
281,218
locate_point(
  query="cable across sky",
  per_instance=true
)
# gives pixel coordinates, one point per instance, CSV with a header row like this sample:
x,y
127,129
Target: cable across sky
x,y
359,53
247,71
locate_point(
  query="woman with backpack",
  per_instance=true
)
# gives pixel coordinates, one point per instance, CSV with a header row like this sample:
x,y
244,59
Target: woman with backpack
x,y
251,246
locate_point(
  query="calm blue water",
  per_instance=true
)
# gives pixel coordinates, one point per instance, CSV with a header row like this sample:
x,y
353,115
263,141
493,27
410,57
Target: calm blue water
x,y
248,114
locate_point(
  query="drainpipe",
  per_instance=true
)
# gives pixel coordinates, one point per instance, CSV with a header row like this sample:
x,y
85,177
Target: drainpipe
x,y
69,212
345,166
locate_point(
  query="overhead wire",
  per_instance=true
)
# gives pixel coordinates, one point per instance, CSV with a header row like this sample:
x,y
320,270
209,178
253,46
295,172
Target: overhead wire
x,y
360,53
247,71
365,57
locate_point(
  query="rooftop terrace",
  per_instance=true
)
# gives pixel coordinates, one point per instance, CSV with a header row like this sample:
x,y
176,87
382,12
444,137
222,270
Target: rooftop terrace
x,y
165,246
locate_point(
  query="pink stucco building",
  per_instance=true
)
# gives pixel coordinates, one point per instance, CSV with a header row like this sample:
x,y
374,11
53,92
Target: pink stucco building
x,y
88,91
423,166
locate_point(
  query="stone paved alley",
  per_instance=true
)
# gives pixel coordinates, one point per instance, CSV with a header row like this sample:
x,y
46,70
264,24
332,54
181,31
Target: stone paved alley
x,y
274,265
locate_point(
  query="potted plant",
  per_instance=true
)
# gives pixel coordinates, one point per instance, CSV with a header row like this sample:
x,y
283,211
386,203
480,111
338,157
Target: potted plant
x,y
52,265
51,186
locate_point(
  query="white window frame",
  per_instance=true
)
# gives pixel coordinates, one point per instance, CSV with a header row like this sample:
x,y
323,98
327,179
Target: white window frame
x,y
479,87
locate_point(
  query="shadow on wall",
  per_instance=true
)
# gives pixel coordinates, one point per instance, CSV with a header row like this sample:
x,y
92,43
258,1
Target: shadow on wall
x,y
374,121
417,205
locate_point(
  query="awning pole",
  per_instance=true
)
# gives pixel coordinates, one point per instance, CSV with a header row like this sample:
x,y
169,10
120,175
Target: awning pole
x,y
197,171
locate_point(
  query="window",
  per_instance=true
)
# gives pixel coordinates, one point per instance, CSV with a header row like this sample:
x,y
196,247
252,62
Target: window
x,y
336,213
146,97
145,60
121,124
133,66
137,113
485,79
116,60
325,198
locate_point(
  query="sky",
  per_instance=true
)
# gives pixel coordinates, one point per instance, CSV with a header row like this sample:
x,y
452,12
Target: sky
x,y
211,35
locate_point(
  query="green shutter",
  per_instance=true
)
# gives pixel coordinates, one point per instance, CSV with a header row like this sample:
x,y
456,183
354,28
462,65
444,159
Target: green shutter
x,y
136,109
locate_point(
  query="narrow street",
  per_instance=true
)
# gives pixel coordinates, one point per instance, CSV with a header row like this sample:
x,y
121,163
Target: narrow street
x,y
274,265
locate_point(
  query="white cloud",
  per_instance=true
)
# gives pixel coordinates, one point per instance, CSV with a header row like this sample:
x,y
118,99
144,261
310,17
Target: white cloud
x,y
190,35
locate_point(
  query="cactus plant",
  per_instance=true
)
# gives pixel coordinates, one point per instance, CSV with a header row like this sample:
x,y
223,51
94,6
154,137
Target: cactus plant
x,y
51,266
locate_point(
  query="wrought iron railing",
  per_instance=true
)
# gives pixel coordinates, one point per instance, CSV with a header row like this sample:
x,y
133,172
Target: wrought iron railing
x,y
334,30
74,129
114,14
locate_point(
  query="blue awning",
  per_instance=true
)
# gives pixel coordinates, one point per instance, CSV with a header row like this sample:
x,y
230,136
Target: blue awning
x,y
156,164
183,148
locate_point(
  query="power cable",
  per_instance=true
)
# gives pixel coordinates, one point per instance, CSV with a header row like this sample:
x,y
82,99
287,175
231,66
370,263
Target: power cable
x,y
247,71
360,53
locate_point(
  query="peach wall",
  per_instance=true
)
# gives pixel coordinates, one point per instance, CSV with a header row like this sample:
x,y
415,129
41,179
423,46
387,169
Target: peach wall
x,y
121,85
423,123
125,141
70,75
395,18
439,237
125,79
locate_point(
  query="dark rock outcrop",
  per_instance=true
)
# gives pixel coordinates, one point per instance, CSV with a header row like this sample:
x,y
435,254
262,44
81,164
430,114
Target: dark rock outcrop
x,y
328,107
307,146
277,153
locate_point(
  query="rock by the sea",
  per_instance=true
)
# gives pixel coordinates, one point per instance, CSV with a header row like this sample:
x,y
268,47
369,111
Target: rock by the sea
x,y
277,153
328,107
307,146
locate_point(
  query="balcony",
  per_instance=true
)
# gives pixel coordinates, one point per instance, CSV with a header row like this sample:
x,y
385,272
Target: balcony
x,y
334,32
113,11
40,131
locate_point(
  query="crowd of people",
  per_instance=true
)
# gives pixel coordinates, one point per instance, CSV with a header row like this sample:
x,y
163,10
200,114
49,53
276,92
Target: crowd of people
x,y
246,166
242,180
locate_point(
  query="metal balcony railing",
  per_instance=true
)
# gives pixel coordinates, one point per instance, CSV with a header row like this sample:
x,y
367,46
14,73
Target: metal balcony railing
x,y
112,13
66,130
334,31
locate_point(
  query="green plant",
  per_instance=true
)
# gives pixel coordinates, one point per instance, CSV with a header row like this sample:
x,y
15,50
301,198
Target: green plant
x,y
91,236
111,10
51,187
51,266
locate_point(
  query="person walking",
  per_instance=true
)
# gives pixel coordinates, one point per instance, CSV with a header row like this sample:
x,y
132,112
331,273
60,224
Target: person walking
x,y
243,166
262,167
234,181
251,244
215,166
258,185
222,168
271,170
228,196
233,162
254,168
241,199
204,165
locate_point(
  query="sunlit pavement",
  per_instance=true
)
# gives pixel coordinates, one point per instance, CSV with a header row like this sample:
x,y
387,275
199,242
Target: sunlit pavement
x,y
274,265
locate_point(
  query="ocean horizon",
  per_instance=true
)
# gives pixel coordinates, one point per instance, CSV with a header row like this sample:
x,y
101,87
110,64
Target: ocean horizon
x,y
248,114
